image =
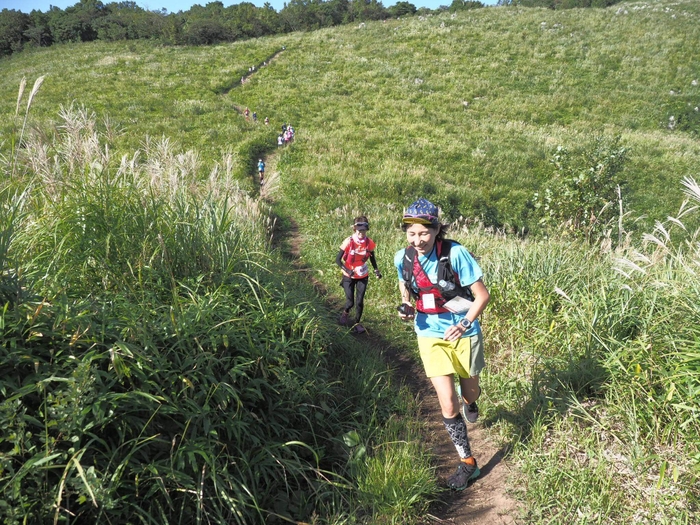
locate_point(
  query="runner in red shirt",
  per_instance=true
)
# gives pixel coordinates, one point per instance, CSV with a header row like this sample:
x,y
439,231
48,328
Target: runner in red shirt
x,y
352,259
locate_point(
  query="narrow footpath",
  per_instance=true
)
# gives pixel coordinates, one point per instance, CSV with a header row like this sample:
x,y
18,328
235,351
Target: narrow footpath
x,y
485,502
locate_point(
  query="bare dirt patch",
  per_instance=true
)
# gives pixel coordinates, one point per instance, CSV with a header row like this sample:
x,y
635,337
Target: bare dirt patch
x,y
485,501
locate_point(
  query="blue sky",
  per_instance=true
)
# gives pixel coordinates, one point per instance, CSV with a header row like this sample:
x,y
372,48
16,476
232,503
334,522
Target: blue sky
x,y
173,6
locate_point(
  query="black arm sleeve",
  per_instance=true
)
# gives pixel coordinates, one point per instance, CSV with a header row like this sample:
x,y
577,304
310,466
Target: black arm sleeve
x,y
373,260
339,260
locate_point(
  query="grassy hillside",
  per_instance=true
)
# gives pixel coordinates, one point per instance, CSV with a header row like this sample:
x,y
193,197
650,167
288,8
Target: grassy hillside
x,y
593,367
479,99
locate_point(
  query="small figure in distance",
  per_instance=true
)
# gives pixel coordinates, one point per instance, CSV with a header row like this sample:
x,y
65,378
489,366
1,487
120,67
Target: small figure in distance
x,y
255,116
280,140
352,259
448,332
246,113
267,121
261,171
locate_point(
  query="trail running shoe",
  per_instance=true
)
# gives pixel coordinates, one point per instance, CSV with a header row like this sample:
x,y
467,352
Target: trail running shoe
x,y
343,321
359,329
465,473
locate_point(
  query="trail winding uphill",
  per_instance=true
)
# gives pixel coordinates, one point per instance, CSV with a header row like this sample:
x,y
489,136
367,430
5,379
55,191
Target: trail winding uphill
x,y
485,501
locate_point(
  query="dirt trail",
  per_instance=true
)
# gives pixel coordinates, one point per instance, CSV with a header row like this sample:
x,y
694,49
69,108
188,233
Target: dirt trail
x,y
252,70
271,175
485,502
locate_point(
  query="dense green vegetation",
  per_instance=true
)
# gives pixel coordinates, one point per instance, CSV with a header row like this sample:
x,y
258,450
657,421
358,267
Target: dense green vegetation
x,y
160,363
157,344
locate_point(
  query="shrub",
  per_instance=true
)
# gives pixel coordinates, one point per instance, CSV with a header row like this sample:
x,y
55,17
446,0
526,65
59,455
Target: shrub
x,y
580,198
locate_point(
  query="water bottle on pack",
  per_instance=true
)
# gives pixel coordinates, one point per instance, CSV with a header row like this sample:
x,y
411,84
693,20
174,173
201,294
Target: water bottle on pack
x,y
446,286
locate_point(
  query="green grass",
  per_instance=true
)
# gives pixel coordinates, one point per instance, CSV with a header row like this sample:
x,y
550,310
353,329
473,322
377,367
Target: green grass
x,y
480,99
592,381
160,361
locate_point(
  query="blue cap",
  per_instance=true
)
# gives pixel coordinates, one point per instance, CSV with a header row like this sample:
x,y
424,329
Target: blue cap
x,y
421,211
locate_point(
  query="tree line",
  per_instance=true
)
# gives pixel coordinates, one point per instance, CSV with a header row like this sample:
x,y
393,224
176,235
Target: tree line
x,y
90,20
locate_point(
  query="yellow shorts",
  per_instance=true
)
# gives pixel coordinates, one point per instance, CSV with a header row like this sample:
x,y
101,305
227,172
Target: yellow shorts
x,y
441,358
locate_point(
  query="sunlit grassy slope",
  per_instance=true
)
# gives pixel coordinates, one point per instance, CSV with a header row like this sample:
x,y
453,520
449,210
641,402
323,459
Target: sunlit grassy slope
x,y
465,109
468,109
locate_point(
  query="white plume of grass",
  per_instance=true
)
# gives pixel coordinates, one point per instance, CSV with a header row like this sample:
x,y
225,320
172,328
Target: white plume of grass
x,y
692,189
80,147
168,171
37,84
221,178
78,157
22,85
271,186
668,252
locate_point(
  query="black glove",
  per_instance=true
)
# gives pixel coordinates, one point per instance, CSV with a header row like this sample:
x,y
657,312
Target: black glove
x,y
378,274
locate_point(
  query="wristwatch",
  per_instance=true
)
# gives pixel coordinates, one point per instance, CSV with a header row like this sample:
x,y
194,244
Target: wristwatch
x,y
465,323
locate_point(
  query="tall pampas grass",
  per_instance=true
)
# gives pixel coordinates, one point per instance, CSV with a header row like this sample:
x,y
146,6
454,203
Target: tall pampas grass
x,y
37,84
270,190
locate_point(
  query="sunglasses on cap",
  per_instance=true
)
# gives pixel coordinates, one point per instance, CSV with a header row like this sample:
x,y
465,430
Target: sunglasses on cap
x,y
419,218
361,225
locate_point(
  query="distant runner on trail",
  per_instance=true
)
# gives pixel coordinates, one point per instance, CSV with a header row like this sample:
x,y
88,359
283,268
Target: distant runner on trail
x,y
255,116
449,295
246,113
352,260
261,170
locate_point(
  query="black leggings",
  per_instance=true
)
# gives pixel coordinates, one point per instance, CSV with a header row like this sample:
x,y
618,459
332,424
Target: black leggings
x,y
354,289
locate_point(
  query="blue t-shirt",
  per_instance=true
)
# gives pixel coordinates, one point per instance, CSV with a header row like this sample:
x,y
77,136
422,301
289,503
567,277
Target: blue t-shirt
x,y
468,270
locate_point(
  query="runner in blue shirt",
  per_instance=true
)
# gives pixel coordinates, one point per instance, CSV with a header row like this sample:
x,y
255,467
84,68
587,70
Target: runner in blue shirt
x,y
449,336
261,171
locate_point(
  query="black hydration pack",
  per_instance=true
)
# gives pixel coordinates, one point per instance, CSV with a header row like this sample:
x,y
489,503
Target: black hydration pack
x,y
447,282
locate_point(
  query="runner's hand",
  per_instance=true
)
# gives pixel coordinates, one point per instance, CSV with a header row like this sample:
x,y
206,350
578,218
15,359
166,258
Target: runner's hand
x,y
378,274
406,312
454,332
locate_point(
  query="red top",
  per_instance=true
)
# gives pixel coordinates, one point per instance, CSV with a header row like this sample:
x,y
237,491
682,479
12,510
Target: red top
x,y
426,286
356,253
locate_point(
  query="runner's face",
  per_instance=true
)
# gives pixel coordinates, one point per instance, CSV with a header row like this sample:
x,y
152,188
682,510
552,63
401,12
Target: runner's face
x,y
361,234
421,238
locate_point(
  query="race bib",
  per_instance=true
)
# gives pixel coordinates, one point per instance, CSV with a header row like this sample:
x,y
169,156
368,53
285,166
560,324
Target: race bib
x,y
362,271
428,301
